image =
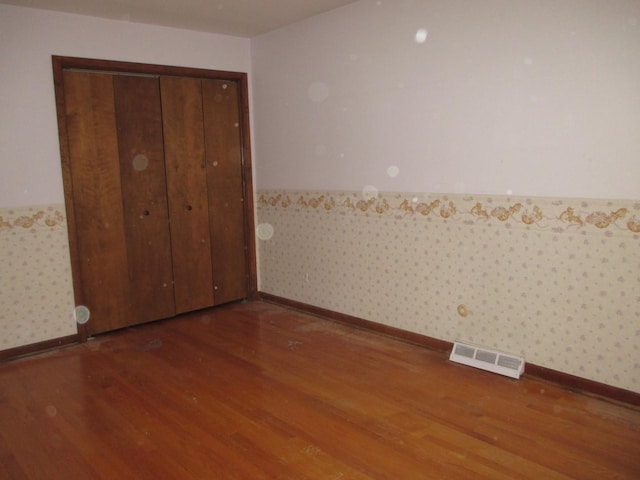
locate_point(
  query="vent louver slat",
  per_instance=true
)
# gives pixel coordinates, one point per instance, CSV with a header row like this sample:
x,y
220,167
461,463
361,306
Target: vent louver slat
x,y
465,351
509,362
484,356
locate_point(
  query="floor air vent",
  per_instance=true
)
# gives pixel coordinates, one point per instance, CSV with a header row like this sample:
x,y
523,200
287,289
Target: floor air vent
x,y
496,362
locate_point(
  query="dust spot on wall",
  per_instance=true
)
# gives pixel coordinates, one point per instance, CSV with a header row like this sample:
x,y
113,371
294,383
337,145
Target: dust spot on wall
x,y
318,92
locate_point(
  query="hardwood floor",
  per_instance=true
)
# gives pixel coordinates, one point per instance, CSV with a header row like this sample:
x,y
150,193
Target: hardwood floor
x,y
256,391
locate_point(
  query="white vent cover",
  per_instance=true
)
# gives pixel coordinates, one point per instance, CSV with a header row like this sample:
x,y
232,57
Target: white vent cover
x,y
491,360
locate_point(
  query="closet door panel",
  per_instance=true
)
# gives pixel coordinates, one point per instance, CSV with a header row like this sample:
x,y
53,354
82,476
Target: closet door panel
x,y
187,192
228,252
95,174
145,208
225,188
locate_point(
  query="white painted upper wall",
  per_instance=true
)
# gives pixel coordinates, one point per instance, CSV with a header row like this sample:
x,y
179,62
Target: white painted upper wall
x,y
537,98
30,171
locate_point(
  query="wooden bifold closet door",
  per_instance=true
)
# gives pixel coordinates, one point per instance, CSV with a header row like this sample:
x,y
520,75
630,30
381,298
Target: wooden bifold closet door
x,y
154,169
187,192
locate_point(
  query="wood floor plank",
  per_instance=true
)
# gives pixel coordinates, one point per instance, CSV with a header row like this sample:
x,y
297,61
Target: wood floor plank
x,y
490,430
35,443
256,391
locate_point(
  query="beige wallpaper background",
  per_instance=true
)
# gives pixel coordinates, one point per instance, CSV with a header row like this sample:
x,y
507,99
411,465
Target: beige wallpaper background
x,y
36,292
554,280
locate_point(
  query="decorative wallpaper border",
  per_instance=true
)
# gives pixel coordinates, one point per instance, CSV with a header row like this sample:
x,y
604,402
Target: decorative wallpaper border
x,y
558,215
24,218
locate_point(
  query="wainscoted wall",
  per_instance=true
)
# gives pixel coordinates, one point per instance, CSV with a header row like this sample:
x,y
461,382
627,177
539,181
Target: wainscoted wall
x,y
36,296
554,280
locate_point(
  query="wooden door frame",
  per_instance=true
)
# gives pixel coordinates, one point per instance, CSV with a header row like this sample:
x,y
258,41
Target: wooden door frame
x,y
61,63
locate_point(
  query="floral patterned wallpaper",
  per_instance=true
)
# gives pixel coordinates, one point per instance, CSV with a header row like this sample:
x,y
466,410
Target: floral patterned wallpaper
x,y
554,280
36,297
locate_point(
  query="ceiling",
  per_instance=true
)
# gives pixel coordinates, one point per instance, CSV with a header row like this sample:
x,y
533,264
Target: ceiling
x,y
242,18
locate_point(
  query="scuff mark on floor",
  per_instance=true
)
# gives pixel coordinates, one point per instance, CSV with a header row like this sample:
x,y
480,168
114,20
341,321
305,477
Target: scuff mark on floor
x,y
152,345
